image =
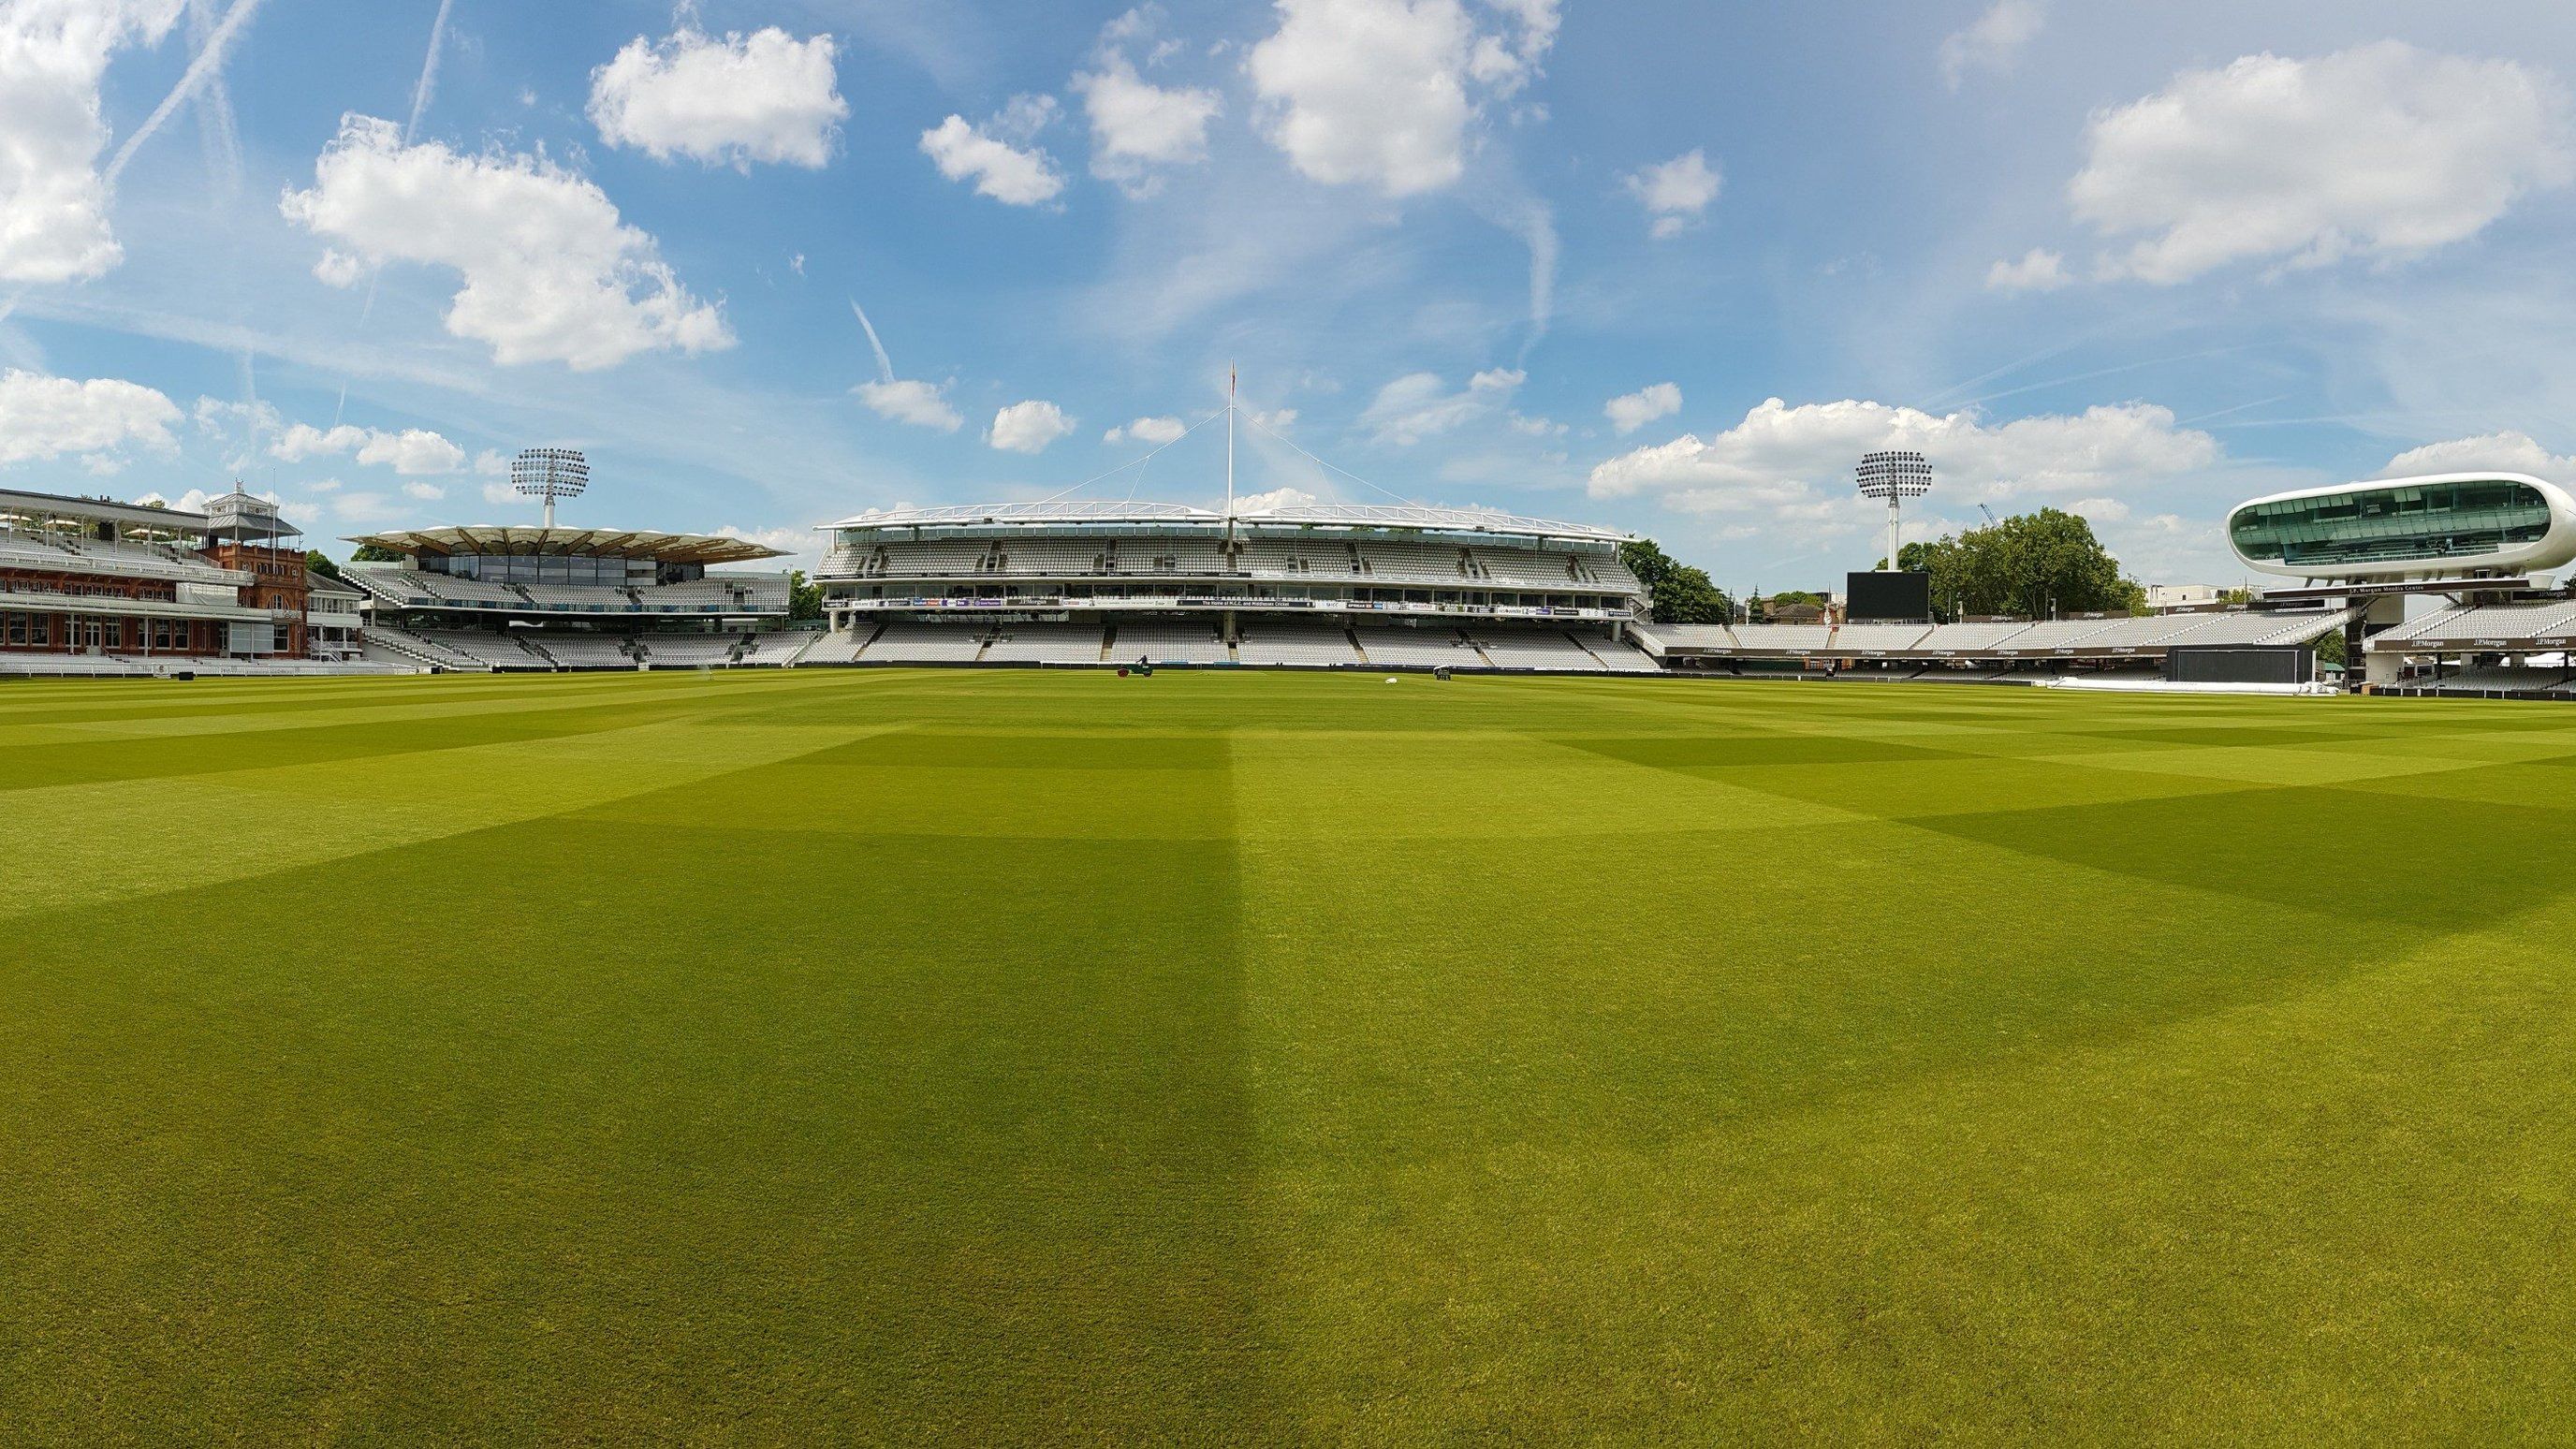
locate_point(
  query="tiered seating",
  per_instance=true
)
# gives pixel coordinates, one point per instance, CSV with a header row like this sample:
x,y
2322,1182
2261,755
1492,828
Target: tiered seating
x,y
1621,657
1784,636
2146,633
100,557
1077,642
2467,627
587,651
778,648
492,651
907,642
1426,648
1892,637
579,598
688,651
1179,641
1969,638
15,662
2251,628
2502,679
1533,649
1268,642
385,643
838,648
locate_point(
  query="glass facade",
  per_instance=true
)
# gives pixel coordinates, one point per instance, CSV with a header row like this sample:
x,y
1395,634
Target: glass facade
x,y
2426,521
558,569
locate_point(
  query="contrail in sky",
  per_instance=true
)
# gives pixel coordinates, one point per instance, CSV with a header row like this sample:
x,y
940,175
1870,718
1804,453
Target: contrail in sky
x,y
885,364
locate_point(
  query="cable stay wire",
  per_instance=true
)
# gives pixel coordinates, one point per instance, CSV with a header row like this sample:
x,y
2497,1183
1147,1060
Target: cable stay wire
x,y
1311,458
1134,462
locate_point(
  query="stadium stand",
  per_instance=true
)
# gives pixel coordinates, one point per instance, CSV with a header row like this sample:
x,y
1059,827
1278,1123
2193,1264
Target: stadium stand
x,y
1294,643
780,647
1534,649
1078,642
1422,648
905,642
1168,641
586,651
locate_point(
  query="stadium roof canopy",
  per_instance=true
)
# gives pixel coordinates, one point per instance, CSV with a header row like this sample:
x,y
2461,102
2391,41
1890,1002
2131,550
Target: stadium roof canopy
x,y
1072,513
487,540
1031,515
33,506
1429,520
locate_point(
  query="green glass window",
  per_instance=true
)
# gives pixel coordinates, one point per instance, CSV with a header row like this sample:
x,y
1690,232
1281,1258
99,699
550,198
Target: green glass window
x,y
2430,522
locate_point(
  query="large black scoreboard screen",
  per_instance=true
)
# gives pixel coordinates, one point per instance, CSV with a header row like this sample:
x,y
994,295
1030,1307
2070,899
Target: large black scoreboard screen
x,y
1888,598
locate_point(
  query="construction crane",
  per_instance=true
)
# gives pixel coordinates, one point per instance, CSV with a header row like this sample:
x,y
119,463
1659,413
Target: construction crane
x,y
1989,513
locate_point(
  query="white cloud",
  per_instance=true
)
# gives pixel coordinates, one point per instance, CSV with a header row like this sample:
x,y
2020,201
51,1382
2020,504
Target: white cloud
x,y
766,96
1278,420
425,492
1384,93
338,269
1676,192
1795,463
2384,151
997,155
413,451
1137,125
45,417
1419,405
551,274
2040,271
2494,452
53,201
1275,498
1633,411
1995,43
803,546
904,400
1028,427
1157,431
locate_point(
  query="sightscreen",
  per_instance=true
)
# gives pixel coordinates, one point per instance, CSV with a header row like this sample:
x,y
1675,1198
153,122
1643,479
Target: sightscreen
x,y
2241,664
1889,598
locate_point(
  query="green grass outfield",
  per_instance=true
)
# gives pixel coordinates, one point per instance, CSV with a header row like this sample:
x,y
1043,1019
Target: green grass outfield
x,y
983,1056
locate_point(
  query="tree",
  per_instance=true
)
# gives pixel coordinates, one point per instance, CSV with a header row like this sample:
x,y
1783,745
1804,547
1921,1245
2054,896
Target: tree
x,y
804,598
1676,593
2030,565
316,561
375,553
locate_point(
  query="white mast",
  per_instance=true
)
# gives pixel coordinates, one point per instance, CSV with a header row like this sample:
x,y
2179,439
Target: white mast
x,y
1229,440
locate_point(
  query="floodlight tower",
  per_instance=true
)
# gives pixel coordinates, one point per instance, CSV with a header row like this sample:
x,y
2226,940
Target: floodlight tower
x,y
550,473
1894,476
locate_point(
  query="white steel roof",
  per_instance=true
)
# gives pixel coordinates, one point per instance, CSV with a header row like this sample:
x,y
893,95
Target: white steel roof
x,y
1434,520
1407,517
967,515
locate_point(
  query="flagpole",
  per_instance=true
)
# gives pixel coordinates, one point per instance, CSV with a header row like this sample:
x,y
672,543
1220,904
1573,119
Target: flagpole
x,y
1229,440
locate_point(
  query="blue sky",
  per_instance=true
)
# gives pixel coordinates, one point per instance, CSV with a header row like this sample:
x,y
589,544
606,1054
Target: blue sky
x,y
1549,256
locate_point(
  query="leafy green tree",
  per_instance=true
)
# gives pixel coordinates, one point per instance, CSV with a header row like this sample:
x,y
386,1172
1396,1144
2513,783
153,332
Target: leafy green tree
x,y
375,553
804,597
321,563
1676,592
2031,565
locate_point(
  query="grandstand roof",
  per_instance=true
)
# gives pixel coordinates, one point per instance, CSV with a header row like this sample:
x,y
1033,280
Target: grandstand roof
x,y
1033,515
101,510
1061,513
697,548
1434,520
